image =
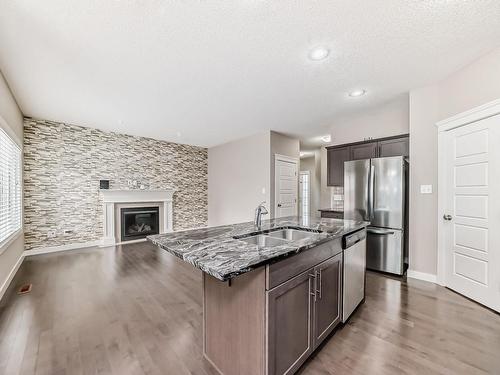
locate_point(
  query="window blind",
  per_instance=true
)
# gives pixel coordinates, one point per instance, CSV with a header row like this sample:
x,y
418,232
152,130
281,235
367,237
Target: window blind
x,y
10,187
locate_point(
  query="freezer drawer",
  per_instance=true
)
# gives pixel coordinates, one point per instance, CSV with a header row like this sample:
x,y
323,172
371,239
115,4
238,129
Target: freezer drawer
x,y
384,250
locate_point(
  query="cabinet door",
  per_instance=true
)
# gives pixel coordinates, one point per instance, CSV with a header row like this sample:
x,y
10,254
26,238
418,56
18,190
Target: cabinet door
x,y
364,151
328,297
394,147
290,309
335,160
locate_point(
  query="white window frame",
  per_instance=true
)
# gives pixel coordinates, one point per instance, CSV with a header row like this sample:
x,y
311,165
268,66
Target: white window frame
x,y
6,242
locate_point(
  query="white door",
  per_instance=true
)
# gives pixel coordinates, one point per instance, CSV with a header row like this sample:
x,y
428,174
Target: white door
x,y
472,211
286,186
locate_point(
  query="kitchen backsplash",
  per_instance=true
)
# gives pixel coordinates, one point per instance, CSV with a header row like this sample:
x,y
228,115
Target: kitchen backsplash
x,y
64,163
337,198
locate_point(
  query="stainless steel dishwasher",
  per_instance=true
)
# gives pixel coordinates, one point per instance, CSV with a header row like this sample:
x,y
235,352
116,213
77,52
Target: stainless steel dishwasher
x,y
353,280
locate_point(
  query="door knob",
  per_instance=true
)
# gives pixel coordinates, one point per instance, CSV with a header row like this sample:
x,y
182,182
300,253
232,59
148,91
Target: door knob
x,y
447,217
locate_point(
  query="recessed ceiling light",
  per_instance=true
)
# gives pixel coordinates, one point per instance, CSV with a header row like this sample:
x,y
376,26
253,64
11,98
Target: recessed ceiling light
x,y
356,93
326,138
319,53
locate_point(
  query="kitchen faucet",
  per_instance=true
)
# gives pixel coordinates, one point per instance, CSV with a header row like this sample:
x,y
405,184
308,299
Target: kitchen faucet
x,y
259,211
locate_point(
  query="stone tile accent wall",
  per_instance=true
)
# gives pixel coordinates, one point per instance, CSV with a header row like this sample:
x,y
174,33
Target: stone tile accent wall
x,y
64,163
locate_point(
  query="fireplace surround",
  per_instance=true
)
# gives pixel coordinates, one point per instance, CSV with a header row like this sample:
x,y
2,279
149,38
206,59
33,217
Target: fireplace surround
x,y
115,200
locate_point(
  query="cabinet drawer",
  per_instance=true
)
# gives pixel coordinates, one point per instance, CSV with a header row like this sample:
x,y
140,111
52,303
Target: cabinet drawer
x,y
284,270
332,215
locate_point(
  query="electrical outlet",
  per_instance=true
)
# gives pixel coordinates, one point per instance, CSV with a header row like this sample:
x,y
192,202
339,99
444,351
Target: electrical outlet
x,y
425,189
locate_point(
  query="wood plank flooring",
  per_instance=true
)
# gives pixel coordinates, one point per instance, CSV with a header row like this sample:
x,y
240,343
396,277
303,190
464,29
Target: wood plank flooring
x,y
135,309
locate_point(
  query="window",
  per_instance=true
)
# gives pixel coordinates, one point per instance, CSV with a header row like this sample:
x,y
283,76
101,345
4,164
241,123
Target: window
x,y
304,193
10,187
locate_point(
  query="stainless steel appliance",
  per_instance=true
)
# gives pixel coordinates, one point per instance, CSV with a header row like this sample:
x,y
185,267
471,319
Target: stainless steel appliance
x,y
353,279
375,191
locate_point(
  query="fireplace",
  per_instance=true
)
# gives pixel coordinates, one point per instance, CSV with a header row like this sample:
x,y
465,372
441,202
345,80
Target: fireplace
x,y
139,222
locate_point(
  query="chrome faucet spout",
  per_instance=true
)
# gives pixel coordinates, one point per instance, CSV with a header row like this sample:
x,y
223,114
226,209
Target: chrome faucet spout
x,y
259,211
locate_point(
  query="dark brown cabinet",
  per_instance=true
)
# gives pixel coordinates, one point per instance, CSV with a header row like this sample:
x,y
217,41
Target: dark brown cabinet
x,y
364,151
384,147
327,297
394,147
335,160
302,312
290,308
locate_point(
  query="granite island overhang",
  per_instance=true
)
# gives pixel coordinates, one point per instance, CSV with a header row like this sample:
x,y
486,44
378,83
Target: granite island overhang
x,y
222,252
266,309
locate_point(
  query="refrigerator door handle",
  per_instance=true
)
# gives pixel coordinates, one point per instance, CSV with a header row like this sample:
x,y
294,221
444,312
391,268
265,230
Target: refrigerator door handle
x,y
371,194
383,232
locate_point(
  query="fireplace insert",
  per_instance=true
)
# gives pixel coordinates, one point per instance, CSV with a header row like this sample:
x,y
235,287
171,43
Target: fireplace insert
x,y
139,222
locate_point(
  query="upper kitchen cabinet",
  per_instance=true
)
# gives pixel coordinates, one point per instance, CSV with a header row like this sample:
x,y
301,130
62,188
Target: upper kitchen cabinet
x,y
335,161
377,148
364,151
394,147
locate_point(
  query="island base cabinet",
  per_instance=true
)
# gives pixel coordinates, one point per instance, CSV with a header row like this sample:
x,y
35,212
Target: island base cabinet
x,y
290,309
249,328
328,276
302,312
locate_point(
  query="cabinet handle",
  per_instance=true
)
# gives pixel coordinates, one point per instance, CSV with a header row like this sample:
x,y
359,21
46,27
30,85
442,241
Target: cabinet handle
x,y
313,293
319,282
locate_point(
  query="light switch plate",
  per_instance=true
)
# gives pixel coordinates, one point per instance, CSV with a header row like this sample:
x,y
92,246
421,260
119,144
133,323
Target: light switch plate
x,y
425,189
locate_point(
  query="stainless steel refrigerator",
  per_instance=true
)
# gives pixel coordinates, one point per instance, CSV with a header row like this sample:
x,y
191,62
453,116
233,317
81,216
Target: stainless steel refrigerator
x,y
375,191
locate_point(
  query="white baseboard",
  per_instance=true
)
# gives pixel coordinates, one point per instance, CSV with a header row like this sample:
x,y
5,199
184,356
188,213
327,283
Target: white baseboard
x,y
54,249
12,273
422,276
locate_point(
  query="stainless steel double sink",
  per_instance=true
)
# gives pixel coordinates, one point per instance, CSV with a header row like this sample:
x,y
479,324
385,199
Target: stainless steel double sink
x,y
277,237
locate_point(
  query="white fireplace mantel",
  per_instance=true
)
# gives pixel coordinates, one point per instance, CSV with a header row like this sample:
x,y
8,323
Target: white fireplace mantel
x,y
111,198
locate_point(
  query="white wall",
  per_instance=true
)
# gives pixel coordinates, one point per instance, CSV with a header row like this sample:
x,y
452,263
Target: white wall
x,y
238,172
384,121
423,171
282,145
475,84
11,122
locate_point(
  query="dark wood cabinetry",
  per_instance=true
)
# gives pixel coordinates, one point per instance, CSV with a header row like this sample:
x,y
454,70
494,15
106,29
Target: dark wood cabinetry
x,y
335,161
304,310
384,147
327,298
364,151
394,147
290,308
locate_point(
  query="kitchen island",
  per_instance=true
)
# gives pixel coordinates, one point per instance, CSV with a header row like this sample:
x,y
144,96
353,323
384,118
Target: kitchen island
x,y
271,294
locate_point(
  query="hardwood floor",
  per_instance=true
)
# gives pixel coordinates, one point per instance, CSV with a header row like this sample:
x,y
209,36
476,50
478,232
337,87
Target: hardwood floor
x,y
135,309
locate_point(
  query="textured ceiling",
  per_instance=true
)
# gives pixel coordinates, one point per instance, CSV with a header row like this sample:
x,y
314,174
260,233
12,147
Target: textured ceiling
x,y
206,72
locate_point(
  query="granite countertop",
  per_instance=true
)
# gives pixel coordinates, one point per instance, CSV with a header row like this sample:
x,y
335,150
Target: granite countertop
x,y
214,250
